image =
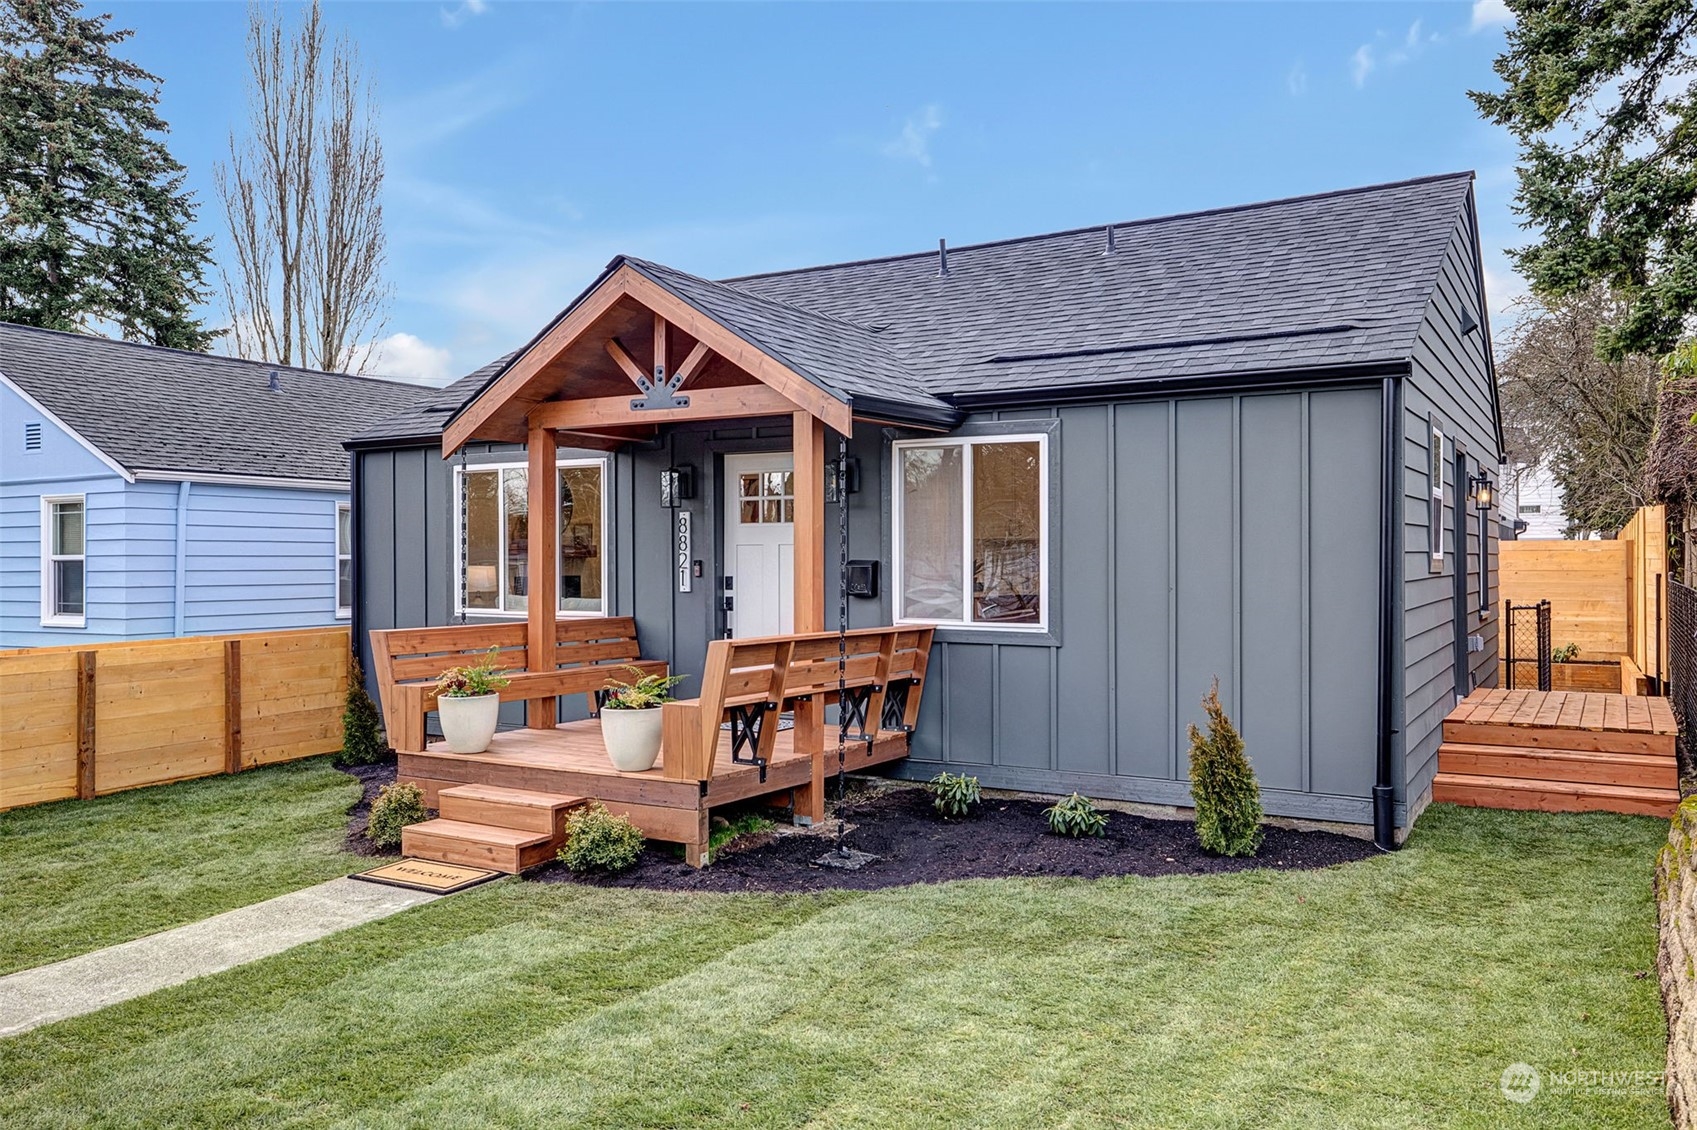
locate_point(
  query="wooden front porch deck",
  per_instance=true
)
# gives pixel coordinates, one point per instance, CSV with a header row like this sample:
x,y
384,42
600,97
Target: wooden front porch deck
x,y
570,760
1560,751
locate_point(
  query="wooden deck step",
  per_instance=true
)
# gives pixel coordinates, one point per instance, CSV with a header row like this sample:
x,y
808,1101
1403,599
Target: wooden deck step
x,y
1560,738
1579,766
478,845
522,809
1552,796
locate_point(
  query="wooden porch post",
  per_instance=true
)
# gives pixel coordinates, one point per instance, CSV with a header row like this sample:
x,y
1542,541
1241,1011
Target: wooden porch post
x,y
542,568
809,449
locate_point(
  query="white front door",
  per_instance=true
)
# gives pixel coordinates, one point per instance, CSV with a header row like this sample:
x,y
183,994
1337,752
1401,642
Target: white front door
x,y
760,543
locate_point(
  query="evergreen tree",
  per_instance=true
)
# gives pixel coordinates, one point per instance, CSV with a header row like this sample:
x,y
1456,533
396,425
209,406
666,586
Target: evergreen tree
x,y
1600,97
94,218
362,727
1222,785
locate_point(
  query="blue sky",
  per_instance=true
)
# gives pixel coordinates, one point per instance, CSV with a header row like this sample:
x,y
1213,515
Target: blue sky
x,y
528,143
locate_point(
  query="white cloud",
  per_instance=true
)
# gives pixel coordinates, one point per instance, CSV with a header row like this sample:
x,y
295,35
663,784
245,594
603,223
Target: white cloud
x,y
1490,13
914,141
1361,64
404,357
1297,80
454,17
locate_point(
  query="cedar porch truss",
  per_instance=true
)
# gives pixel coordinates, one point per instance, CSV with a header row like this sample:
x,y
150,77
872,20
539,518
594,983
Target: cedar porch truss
x,y
574,384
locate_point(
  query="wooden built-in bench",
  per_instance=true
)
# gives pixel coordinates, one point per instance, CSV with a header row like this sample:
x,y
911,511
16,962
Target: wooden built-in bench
x,y
724,746
407,662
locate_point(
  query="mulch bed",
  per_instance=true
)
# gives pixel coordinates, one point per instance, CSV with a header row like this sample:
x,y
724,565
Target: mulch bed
x,y
1008,838
1005,839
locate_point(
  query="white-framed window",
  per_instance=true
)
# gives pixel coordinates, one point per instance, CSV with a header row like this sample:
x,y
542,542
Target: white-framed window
x,y
971,520
491,538
64,561
344,560
1485,562
1436,478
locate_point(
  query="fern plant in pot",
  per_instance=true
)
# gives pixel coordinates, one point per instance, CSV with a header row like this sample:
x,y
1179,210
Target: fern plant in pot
x,y
630,719
468,700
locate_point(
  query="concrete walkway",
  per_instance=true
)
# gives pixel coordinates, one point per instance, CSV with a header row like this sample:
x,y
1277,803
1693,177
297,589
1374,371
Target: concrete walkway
x,y
33,997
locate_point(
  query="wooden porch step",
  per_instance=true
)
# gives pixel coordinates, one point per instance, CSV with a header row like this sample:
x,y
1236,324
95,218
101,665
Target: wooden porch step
x,y
1552,796
521,809
1579,766
478,845
1560,738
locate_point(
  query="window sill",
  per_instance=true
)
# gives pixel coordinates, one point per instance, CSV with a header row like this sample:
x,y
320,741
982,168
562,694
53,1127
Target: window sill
x,y
64,622
344,614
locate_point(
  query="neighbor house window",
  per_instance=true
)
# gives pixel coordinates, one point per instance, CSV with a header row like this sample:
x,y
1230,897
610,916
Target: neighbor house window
x,y
971,520
64,561
1436,523
493,538
344,560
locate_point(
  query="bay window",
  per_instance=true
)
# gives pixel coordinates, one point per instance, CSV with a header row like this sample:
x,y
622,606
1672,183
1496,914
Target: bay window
x,y
493,539
971,531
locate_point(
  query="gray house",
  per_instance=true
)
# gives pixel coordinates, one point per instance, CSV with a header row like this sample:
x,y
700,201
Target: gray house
x,y
1111,465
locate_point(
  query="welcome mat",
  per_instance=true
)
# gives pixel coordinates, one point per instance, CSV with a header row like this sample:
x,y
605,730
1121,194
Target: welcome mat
x,y
425,875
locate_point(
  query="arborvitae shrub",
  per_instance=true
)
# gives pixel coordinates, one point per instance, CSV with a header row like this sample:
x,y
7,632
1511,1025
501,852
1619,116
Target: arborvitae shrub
x,y
362,728
396,806
1222,783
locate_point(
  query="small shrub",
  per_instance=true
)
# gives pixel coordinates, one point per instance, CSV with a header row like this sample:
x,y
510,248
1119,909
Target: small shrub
x,y
362,729
954,794
1076,815
396,806
1566,653
596,840
1222,785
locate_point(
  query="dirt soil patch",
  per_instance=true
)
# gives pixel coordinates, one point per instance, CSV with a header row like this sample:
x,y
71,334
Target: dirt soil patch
x,y
373,777
1008,838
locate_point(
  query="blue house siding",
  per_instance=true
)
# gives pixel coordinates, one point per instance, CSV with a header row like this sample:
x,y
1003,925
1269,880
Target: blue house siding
x,y
255,558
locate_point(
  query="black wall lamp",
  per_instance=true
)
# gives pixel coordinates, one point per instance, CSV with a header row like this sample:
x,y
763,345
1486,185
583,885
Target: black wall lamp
x,y
849,471
677,485
1483,493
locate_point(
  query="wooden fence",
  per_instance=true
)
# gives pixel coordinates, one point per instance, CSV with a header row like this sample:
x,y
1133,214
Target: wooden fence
x,y
83,721
1608,597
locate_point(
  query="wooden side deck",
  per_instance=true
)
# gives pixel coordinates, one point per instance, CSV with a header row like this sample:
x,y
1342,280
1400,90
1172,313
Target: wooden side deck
x,y
570,761
1560,751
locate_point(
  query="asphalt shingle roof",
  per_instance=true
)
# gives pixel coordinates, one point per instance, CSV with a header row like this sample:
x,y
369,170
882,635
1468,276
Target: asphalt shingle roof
x,y
156,409
1330,281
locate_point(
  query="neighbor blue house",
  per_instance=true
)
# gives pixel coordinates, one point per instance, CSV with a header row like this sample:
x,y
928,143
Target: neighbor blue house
x,y
149,492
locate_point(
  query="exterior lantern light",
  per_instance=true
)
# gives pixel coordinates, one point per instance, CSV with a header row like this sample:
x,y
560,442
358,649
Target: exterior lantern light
x,y
1483,493
677,485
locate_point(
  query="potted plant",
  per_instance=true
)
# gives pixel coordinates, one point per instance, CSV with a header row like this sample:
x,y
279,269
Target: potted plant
x,y
630,719
468,700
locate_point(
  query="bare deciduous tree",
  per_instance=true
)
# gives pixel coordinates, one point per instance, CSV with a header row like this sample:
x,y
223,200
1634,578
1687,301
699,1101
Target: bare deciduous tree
x,y
302,195
1586,419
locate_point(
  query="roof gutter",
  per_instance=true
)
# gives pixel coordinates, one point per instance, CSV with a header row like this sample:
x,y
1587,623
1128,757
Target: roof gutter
x,y
1390,577
1208,385
212,477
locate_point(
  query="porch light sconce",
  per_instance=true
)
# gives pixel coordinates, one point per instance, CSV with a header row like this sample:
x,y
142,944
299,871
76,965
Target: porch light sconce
x,y
677,485
850,471
1483,493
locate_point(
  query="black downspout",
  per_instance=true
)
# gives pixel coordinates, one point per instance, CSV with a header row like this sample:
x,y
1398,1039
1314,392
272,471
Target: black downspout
x,y
356,537
1384,786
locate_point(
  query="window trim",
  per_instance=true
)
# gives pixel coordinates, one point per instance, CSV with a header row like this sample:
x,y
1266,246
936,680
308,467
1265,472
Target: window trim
x,y
49,590
344,611
1485,604
1045,533
457,531
1435,497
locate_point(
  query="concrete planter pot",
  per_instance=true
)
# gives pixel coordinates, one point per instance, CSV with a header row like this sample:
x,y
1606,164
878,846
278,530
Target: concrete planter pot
x,y
468,723
632,738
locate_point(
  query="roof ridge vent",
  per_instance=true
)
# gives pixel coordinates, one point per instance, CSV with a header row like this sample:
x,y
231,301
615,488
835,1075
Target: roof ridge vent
x,y
1109,248
275,384
942,258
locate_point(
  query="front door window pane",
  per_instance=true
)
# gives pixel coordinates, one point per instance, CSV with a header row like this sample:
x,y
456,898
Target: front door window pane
x,y
516,505
931,533
581,539
1007,546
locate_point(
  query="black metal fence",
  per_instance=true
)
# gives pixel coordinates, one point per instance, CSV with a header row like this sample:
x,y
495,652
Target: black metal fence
x,y
1682,654
1526,644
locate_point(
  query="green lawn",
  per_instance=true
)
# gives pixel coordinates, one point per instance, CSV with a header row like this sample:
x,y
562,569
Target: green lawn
x,y
79,875
1388,993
